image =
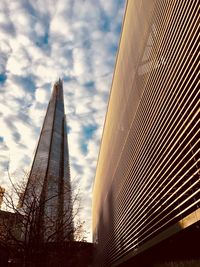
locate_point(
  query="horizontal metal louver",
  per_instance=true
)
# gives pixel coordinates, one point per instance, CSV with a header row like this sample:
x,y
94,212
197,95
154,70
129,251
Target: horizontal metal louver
x,y
152,159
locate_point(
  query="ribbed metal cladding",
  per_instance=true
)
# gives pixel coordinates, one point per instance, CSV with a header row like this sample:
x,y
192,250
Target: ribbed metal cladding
x,y
147,180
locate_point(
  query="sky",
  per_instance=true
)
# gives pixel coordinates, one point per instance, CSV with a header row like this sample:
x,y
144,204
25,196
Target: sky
x,y
39,42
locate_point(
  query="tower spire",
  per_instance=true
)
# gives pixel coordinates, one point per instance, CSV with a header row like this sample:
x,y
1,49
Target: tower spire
x,y
50,176
58,89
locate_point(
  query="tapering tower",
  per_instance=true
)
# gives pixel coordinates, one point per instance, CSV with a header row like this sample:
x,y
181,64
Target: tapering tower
x,y
49,180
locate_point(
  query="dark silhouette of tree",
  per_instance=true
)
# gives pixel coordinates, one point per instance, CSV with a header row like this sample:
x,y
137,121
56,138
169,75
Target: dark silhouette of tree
x,y
22,227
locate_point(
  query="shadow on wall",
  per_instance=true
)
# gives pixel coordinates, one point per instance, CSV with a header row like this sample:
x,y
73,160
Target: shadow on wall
x,y
106,234
185,263
180,250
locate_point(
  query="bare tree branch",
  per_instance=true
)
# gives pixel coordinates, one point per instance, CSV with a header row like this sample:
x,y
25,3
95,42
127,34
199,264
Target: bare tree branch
x,y
23,228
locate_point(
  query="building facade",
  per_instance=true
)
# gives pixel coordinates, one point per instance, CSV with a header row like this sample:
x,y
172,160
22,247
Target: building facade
x,y
147,183
48,186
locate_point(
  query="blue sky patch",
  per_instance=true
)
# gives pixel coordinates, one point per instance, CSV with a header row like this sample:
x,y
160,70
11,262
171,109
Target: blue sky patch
x,y
88,131
3,77
68,129
46,38
43,41
105,24
90,85
84,148
26,82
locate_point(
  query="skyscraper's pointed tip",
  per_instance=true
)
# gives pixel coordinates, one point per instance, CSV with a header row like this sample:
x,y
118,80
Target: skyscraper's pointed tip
x,y
58,88
59,81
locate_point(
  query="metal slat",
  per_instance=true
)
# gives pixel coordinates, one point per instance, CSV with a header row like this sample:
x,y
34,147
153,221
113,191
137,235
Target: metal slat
x,y
156,176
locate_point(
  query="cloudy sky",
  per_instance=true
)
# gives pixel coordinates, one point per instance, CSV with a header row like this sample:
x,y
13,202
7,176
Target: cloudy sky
x,y
41,40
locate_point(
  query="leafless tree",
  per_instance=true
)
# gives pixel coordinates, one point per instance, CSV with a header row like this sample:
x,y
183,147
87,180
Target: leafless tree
x,y
22,225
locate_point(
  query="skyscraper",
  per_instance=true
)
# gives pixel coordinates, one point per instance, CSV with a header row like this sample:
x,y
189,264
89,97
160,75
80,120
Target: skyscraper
x,y
146,197
49,179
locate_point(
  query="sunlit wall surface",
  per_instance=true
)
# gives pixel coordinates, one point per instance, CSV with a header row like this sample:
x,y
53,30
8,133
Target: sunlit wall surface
x,y
147,183
49,179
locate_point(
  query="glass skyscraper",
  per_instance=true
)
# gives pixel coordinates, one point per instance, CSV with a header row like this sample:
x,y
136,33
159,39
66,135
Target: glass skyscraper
x,y
49,180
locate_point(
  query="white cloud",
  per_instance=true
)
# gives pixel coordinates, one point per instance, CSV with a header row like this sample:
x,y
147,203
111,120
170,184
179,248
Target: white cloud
x,y
41,95
16,64
59,26
40,41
